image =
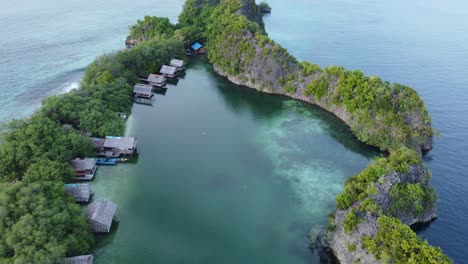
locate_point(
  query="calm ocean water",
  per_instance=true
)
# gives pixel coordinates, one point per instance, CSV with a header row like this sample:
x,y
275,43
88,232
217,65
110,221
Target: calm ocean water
x,y
47,44
423,44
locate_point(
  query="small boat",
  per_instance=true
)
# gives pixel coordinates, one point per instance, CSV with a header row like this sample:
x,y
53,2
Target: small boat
x,y
121,160
107,161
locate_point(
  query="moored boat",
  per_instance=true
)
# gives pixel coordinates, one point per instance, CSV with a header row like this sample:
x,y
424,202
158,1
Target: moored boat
x,y
107,161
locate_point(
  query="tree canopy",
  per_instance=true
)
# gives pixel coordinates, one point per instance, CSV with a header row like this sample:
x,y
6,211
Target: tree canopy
x,y
39,222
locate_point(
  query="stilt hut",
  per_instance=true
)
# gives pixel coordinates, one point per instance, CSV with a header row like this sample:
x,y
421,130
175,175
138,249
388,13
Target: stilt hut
x,y
156,80
179,64
168,71
113,147
81,192
198,48
84,168
84,259
122,146
101,214
143,94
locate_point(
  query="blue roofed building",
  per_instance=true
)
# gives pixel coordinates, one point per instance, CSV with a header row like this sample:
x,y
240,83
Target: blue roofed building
x,y
198,48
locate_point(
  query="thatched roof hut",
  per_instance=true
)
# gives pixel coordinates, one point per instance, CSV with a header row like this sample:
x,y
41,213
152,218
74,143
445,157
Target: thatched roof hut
x,y
168,71
117,146
100,215
84,168
156,80
85,259
120,143
98,142
179,64
143,90
81,192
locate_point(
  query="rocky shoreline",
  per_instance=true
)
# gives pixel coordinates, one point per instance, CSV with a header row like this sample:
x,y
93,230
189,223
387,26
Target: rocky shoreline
x,y
265,67
392,193
338,241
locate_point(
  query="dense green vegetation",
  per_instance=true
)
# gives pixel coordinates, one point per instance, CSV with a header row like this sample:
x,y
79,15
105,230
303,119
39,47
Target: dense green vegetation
x,y
397,243
317,88
405,197
107,88
408,197
39,222
264,6
351,221
151,27
381,110
39,141
380,113
389,116
224,31
194,19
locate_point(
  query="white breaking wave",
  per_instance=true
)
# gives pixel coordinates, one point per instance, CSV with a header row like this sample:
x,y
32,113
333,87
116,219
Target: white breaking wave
x,y
70,86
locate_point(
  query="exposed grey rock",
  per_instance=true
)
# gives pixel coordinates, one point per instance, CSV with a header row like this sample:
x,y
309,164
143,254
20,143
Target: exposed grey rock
x,y
252,12
416,174
263,73
340,240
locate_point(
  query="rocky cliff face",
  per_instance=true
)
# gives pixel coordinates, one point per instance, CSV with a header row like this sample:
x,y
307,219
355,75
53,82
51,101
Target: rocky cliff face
x,y
340,241
252,12
347,246
266,70
254,61
418,174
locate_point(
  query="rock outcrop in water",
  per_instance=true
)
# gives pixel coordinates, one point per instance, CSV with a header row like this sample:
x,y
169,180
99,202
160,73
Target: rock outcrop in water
x,y
389,116
339,240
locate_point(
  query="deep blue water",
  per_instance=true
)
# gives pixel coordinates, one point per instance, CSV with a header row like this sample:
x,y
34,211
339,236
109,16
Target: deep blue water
x,y
424,44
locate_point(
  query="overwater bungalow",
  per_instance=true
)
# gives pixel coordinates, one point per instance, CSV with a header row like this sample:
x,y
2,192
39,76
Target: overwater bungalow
x,y
98,143
84,259
198,48
84,168
121,145
100,215
168,71
156,80
81,192
143,94
179,64
143,91
113,147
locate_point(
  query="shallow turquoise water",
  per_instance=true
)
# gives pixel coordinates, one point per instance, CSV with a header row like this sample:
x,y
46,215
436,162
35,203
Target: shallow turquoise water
x,y
419,43
47,44
226,175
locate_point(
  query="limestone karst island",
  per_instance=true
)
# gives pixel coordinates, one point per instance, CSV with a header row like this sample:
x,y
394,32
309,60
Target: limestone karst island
x,y
233,131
